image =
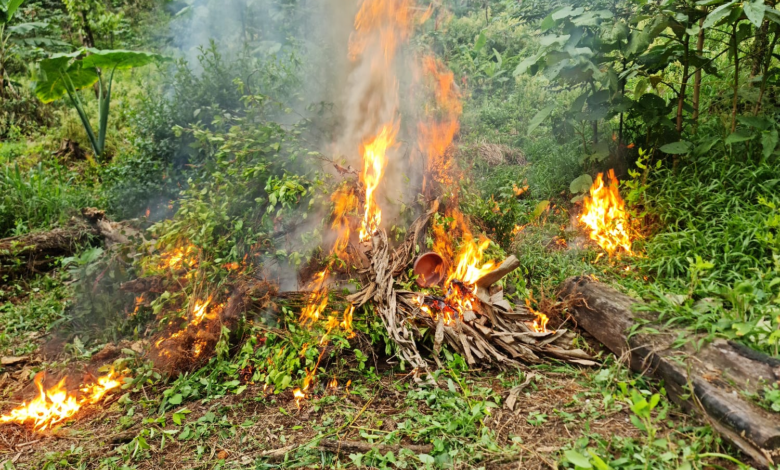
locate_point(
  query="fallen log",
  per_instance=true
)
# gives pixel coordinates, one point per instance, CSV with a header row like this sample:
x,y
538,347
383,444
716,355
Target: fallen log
x,y
37,252
718,373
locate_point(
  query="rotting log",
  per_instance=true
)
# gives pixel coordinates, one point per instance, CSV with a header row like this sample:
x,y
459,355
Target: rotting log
x,y
37,252
719,373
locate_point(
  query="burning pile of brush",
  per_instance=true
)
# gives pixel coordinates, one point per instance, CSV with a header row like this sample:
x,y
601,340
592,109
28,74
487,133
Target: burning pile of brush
x,y
460,304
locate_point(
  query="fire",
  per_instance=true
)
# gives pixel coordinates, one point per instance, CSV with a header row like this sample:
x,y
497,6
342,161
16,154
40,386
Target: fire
x,y
177,258
318,299
344,202
391,19
346,323
540,323
605,215
299,395
55,405
437,133
469,266
333,384
199,311
374,162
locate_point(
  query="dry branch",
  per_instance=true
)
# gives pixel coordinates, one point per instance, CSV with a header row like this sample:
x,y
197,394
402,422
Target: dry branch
x,y
718,373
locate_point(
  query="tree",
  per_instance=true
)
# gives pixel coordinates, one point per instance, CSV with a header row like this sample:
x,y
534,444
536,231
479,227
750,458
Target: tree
x,y
66,74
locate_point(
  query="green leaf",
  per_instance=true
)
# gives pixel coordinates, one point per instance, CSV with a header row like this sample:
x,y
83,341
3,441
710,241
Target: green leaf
x,y
11,8
176,399
754,12
540,116
772,14
718,14
754,121
539,209
675,148
54,72
577,459
120,59
547,23
769,142
739,136
426,459
581,184
526,63
480,43
598,462
566,12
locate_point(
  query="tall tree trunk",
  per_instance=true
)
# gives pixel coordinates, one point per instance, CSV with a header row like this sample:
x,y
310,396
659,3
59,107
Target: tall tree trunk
x,y
684,84
697,75
735,45
759,48
765,76
89,37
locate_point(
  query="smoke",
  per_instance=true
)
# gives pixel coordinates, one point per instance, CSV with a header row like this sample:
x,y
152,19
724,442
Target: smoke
x,y
356,64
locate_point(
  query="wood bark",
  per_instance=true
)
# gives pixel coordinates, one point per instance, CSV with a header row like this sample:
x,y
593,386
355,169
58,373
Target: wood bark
x,y
39,252
697,73
718,373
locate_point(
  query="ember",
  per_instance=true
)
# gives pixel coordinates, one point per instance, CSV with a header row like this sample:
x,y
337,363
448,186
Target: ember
x,y
605,214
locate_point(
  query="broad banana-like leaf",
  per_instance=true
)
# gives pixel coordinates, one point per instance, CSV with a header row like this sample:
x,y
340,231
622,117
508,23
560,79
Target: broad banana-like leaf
x,y
8,9
54,72
120,59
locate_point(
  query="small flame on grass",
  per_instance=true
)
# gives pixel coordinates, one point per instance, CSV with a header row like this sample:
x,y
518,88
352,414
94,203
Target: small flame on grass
x,y
604,213
55,405
299,396
333,384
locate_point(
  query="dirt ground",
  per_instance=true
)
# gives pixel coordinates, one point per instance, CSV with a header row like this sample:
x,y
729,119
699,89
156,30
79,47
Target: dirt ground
x,y
269,424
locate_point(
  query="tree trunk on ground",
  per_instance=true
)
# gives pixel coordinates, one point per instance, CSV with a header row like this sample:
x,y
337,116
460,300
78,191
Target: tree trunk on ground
x,y
35,253
719,373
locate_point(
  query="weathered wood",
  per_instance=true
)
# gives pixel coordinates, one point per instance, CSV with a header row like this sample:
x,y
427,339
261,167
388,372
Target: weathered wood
x,y
38,252
718,373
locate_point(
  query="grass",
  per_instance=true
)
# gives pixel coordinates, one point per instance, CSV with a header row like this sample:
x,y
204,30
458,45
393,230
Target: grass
x,y
29,311
45,195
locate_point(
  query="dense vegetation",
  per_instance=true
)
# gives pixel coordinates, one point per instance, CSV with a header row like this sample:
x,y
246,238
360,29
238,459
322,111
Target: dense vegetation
x,y
208,122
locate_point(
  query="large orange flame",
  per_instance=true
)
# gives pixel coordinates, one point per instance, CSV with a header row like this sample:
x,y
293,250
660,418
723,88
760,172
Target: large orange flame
x,y
605,215
387,21
374,162
437,132
55,405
